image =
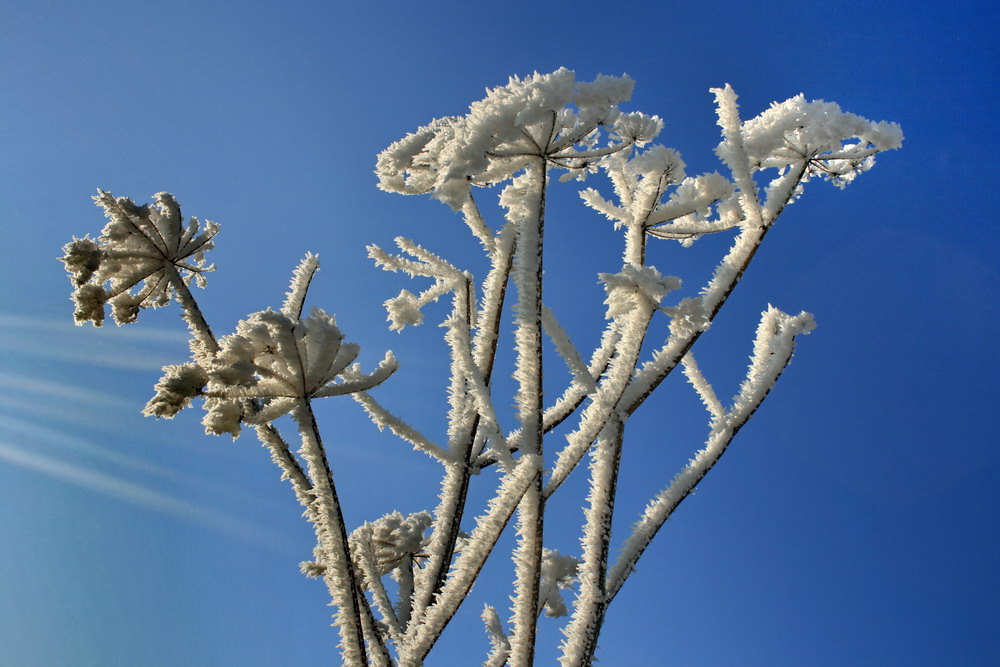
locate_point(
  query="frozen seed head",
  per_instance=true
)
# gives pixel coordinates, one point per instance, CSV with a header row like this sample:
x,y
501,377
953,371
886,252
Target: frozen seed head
x,y
141,254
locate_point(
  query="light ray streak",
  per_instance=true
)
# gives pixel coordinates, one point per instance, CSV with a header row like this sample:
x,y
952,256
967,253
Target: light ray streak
x,y
63,390
37,435
142,496
145,333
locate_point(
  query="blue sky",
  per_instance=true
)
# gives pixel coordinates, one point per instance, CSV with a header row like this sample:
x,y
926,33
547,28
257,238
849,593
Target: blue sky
x,y
853,521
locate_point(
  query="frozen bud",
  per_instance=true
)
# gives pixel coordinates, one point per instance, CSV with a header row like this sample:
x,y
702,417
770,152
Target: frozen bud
x,y
222,416
89,300
125,308
233,365
175,390
395,538
638,127
634,286
688,317
657,160
603,91
558,572
312,569
82,259
404,310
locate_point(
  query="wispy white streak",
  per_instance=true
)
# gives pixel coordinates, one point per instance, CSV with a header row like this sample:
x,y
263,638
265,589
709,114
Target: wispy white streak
x,y
108,485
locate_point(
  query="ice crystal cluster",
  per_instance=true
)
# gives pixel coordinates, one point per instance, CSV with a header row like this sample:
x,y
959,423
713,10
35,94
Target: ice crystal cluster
x,y
522,137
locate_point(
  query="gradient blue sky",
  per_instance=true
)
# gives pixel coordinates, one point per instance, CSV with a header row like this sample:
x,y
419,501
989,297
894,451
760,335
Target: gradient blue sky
x,y
854,522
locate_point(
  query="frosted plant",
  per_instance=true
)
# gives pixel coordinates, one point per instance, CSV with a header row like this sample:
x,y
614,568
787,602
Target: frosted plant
x,y
141,254
515,140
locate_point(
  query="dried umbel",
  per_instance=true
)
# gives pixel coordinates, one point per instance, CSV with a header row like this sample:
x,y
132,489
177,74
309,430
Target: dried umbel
x,y
141,257
273,361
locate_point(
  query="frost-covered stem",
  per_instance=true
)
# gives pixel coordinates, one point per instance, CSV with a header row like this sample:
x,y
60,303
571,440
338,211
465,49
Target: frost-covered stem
x,y
528,336
494,295
734,154
591,602
379,655
500,645
339,575
609,395
715,294
667,501
635,230
470,561
663,506
382,418
528,567
574,395
366,561
282,455
455,485
705,391
447,522
474,219
192,313
404,580
528,269
635,244
454,490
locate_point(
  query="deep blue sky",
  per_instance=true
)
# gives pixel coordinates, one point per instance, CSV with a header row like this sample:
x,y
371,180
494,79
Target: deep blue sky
x,y
854,520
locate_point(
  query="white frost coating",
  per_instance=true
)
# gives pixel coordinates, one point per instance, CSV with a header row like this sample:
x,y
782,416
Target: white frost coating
x,y
634,287
806,138
632,328
296,296
796,129
639,180
499,644
559,573
272,360
693,197
693,316
352,380
176,389
332,547
396,539
527,569
728,271
525,205
588,608
705,391
383,419
733,153
476,385
773,349
593,199
564,346
471,559
363,550
527,117
784,189
404,310
477,225
494,289
574,394
524,200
